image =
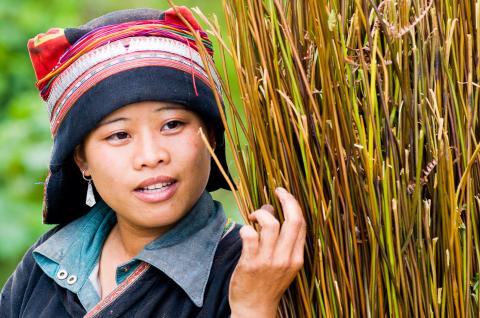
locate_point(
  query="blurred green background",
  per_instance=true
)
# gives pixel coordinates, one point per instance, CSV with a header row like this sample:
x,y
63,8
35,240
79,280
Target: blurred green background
x,y
25,140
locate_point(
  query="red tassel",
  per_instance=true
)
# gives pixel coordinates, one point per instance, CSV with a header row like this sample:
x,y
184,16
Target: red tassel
x,y
171,16
46,49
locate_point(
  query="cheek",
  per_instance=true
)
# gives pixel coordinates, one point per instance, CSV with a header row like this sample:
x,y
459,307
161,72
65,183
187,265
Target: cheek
x,y
201,153
195,157
204,165
105,166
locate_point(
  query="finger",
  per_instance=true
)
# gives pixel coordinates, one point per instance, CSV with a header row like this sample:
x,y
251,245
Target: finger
x,y
299,248
293,228
250,240
269,231
291,208
267,207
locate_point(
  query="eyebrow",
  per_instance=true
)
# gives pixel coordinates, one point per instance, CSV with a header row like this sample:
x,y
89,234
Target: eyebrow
x,y
169,107
111,121
159,109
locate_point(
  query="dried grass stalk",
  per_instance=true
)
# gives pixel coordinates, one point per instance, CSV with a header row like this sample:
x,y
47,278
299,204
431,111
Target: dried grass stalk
x,y
367,112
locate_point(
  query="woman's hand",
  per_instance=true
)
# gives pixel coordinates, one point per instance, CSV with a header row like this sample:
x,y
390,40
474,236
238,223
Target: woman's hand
x,y
270,259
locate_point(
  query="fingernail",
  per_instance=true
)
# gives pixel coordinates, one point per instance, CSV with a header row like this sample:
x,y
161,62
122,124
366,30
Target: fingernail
x,y
281,190
268,207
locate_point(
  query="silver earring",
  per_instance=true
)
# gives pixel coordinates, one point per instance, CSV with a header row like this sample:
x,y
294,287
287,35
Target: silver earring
x,y
90,201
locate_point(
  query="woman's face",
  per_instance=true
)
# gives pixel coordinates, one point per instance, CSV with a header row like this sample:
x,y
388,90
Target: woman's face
x,y
148,163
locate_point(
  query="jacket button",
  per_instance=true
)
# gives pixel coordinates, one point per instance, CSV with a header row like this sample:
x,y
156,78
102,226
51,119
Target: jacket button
x,y
72,279
62,274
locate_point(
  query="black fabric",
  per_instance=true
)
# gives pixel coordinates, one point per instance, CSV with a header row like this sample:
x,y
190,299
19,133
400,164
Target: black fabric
x,y
74,34
29,293
65,186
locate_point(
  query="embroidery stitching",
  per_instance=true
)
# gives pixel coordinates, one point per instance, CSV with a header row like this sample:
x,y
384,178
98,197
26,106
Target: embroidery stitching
x,y
117,292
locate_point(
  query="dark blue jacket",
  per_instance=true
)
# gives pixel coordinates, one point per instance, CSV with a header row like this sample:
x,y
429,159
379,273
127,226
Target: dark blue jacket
x,y
149,293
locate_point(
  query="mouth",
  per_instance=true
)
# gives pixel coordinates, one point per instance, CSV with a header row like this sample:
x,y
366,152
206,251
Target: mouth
x,y
157,189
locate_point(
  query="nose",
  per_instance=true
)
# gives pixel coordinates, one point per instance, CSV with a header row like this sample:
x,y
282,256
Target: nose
x,y
149,151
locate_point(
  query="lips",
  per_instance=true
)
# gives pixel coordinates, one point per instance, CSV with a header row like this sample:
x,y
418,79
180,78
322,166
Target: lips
x,y
155,181
157,189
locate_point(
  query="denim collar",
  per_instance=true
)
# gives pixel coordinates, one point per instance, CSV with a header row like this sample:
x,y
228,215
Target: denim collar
x,y
185,253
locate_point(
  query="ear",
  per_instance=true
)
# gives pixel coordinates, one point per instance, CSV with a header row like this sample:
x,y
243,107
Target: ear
x,y
80,159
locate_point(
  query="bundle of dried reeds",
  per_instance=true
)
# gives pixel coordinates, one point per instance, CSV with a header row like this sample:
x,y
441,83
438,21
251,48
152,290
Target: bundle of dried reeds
x,y
367,111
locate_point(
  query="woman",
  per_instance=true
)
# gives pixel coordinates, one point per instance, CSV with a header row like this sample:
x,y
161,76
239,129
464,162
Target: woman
x,y
138,234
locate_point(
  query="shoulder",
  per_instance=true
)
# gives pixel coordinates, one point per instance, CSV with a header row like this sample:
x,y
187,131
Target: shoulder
x,y
230,245
27,263
27,260
227,254
23,280
226,258
45,236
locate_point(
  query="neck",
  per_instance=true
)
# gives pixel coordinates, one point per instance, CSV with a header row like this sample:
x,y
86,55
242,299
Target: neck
x,y
132,240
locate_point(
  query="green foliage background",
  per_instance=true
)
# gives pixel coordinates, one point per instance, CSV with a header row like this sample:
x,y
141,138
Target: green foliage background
x,y
25,140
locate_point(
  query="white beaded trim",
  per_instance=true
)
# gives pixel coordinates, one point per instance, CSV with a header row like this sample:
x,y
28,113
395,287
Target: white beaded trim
x,y
118,48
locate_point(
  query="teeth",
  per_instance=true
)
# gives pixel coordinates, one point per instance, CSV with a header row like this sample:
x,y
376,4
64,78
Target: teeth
x,y
157,186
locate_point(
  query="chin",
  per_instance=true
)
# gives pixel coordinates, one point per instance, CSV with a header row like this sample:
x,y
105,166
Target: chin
x,y
160,218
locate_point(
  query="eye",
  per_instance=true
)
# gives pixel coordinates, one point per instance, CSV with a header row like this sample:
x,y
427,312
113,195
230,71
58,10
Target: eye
x,y
121,135
171,125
